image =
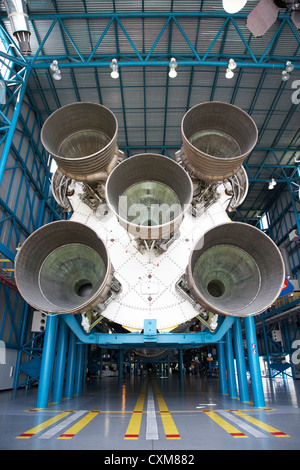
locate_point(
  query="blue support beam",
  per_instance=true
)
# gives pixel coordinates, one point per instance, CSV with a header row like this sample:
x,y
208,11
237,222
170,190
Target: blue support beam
x,y
240,361
130,340
13,124
139,57
230,365
222,368
71,364
60,362
47,365
253,358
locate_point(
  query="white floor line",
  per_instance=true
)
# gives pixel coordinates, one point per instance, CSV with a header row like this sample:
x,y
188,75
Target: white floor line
x,y
242,424
151,427
60,426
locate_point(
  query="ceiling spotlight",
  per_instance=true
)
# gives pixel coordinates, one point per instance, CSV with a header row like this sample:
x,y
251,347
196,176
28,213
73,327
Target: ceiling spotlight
x,y
233,6
231,64
289,66
272,184
285,76
54,66
229,73
114,67
55,69
57,75
172,64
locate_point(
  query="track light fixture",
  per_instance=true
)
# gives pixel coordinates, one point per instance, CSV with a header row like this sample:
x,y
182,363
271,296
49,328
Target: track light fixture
x,y
231,66
289,66
114,69
229,73
272,184
55,69
172,64
285,75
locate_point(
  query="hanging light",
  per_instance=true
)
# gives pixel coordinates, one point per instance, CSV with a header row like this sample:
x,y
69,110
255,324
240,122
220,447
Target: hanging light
x,y
229,73
233,6
231,64
54,66
57,75
289,66
55,69
172,64
272,184
285,76
114,67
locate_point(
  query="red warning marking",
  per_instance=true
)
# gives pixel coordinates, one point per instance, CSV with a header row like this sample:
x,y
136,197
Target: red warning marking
x,y
132,435
172,436
278,433
235,434
25,434
67,435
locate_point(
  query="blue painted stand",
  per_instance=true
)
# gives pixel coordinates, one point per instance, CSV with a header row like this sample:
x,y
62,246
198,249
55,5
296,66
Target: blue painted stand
x,y
240,360
70,373
222,368
79,369
230,365
253,357
49,349
60,362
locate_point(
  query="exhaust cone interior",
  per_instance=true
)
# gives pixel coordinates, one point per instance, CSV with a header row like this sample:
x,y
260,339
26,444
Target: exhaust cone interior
x,y
238,270
81,137
149,193
63,267
217,137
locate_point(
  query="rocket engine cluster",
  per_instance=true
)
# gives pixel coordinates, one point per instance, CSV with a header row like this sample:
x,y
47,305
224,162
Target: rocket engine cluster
x,y
149,237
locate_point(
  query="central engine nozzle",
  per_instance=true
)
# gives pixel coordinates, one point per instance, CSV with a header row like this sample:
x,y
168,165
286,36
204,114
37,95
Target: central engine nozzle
x,y
216,139
235,270
63,267
82,139
149,193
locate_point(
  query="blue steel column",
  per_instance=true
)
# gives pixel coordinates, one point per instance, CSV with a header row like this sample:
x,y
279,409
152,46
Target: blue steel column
x,y
240,360
24,319
70,366
230,365
79,368
60,362
49,348
222,368
180,363
13,124
253,357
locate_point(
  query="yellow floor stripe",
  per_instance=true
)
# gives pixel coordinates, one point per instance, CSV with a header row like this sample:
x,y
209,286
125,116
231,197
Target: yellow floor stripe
x,y
40,427
71,432
133,430
234,432
170,428
261,425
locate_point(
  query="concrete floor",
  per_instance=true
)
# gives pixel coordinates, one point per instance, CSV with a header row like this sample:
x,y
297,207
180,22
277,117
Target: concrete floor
x,y
153,414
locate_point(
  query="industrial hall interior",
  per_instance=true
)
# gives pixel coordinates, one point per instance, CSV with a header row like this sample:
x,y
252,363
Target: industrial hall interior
x,y
149,227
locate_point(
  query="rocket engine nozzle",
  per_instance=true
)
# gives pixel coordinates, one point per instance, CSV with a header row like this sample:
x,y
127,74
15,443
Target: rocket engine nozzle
x,y
236,269
216,139
82,139
63,267
149,194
